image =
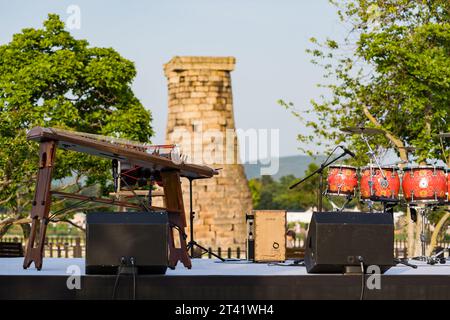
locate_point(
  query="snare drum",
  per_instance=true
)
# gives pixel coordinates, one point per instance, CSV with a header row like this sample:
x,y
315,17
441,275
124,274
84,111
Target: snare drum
x,y
382,188
424,184
342,180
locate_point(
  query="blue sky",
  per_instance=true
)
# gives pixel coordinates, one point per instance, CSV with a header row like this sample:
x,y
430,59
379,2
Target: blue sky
x,y
268,39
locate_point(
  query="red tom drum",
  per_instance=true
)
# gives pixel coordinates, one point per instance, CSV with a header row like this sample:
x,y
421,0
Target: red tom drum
x,y
382,188
448,185
424,184
342,180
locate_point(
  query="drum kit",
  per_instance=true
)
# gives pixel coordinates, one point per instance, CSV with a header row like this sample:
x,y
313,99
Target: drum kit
x,y
421,188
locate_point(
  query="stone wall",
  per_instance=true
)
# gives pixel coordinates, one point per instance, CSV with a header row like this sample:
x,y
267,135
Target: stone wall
x,y
201,122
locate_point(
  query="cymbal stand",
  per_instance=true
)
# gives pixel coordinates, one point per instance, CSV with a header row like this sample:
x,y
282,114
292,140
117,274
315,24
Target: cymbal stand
x,y
372,157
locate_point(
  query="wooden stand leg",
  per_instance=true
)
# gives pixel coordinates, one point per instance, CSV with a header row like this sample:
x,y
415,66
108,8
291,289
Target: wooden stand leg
x,y
41,206
174,201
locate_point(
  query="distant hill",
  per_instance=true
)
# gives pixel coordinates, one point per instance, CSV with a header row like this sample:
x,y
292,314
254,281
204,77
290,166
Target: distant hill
x,y
295,165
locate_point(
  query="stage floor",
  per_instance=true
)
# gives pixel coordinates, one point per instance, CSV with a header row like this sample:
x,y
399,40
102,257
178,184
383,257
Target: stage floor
x,y
212,279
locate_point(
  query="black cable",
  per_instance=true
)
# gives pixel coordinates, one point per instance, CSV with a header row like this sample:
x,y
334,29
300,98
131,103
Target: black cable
x,y
134,277
116,283
175,226
295,263
74,205
363,285
234,261
142,202
134,283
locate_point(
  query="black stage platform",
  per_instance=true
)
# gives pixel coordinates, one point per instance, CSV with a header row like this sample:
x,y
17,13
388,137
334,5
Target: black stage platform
x,y
211,279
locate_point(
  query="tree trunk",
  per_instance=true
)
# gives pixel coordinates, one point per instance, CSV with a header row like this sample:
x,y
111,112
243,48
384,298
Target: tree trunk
x,y
417,243
4,229
437,230
26,230
410,234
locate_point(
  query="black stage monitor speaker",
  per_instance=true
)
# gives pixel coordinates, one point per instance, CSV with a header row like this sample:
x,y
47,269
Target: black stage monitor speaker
x,y
337,240
115,239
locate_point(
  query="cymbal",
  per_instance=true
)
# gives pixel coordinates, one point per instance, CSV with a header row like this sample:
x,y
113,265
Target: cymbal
x,y
444,135
362,130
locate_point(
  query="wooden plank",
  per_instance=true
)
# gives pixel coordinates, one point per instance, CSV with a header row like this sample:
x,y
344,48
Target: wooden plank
x,y
173,196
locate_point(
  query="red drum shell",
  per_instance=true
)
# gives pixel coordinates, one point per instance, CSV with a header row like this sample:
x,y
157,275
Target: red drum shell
x,y
392,189
342,180
424,184
448,185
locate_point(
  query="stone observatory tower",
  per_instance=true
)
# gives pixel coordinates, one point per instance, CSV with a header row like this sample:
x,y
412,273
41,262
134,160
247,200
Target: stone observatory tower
x,y
201,122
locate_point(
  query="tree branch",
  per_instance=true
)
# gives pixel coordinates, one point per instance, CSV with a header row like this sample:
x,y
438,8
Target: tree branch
x,y
395,140
2,202
71,223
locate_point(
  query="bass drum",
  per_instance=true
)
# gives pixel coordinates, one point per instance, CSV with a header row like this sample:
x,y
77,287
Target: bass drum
x,y
342,180
382,188
425,184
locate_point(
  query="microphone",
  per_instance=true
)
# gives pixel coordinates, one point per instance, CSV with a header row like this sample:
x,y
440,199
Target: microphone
x,y
351,154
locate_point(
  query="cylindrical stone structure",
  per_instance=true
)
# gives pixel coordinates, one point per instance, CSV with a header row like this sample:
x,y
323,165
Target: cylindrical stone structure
x,y
201,122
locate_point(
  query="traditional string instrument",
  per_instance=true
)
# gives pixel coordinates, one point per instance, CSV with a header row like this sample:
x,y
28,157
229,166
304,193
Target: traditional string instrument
x,y
161,161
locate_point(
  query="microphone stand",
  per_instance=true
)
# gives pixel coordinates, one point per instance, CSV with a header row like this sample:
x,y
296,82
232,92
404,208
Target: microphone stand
x,y
319,171
192,243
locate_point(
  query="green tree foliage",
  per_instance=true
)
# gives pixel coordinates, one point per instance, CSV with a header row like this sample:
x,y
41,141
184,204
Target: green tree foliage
x,y
48,78
268,193
391,72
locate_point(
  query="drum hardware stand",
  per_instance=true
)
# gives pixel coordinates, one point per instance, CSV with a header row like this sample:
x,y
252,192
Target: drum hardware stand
x,y
371,154
423,236
435,259
372,157
319,171
423,257
348,199
192,243
388,206
405,263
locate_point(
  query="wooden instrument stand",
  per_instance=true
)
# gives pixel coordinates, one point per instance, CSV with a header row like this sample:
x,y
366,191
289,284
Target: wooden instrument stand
x,y
169,171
